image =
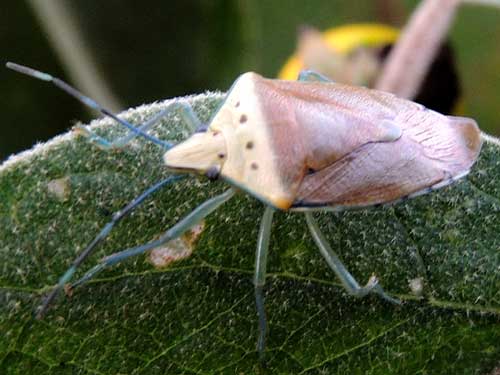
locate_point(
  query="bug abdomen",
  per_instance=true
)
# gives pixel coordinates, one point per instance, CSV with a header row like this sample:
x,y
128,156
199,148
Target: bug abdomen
x,y
428,154
309,126
323,144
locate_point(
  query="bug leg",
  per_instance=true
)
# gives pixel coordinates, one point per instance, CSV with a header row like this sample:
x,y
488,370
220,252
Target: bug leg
x,y
312,76
117,216
184,109
260,276
348,281
85,100
177,230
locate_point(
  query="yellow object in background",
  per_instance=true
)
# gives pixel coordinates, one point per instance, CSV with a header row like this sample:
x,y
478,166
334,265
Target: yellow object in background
x,y
354,54
344,40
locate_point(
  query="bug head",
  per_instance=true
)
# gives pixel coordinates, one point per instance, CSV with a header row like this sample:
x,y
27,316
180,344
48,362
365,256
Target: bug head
x,y
203,152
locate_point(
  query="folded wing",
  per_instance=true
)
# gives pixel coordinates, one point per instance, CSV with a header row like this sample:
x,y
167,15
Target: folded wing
x,y
433,149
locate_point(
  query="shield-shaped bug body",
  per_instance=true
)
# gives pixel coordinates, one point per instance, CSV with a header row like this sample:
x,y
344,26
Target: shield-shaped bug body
x,y
321,144
300,146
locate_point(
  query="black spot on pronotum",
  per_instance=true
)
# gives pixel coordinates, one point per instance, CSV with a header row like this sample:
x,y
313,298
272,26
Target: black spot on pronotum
x,y
254,166
249,145
221,155
237,104
243,119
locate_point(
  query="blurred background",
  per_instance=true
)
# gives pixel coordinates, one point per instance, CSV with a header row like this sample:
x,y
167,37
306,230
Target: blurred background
x,y
140,52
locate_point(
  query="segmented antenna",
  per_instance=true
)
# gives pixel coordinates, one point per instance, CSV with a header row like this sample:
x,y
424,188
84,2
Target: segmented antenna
x,y
85,100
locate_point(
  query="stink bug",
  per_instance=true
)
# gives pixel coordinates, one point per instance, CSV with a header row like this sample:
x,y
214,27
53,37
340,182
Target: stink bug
x,y
298,146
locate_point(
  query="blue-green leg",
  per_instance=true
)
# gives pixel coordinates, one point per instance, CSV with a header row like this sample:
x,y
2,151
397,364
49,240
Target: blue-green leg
x,y
260,275
348,281
312,76
85,100
117,216
184,109
177,230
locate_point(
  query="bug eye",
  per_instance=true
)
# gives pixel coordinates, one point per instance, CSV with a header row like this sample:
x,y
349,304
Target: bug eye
x,y
213,173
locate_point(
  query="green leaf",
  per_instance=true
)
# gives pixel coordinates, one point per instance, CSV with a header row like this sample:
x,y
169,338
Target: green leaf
x,y
197,315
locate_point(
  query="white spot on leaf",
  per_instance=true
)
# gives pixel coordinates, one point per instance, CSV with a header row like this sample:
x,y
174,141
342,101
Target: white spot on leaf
x,y
173,251
194,233
177,249
417,286
59,188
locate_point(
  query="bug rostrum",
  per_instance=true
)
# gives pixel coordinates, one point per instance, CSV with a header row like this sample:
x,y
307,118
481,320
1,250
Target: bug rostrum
x,y
297,146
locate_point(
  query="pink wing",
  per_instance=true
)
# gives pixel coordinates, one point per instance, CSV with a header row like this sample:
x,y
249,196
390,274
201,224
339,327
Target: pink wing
x,y
340,145
432,150
313,125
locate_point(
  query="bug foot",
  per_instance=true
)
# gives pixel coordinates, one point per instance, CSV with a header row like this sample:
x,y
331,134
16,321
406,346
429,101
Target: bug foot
x,y
373,286
94,138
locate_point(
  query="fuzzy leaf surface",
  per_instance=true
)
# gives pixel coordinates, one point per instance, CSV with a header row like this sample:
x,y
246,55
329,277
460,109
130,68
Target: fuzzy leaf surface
x,y
197,315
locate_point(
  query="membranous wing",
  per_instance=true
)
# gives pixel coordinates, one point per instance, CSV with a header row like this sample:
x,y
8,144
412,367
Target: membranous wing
x,y
432,150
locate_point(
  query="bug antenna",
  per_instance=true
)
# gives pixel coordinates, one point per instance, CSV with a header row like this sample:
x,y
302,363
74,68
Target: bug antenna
x,y
84,99
117,216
